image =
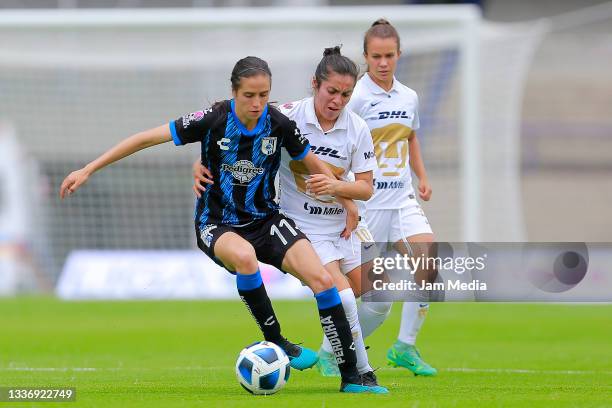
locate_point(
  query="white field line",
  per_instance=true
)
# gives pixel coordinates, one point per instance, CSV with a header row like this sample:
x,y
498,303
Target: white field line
x,y
524,371
102,369
208,368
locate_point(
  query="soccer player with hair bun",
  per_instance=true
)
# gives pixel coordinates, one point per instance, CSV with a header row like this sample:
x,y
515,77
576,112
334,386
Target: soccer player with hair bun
x,y
341,139
237,221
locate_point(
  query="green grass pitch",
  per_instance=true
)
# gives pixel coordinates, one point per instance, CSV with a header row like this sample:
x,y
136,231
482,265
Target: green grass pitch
x,y
177,354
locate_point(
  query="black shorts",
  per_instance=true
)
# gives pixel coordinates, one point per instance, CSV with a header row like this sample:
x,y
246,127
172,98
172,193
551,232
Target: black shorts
x,y
271,237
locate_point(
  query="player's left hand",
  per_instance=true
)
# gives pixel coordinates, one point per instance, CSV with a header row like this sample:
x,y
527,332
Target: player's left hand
x,y
352,219
320,184
73,181
424,190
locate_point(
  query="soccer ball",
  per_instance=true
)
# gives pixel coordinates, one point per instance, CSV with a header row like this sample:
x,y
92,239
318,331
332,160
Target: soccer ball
x,y
262,368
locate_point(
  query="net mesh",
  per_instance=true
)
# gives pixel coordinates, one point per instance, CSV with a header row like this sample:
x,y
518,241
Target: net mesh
x,y
72,93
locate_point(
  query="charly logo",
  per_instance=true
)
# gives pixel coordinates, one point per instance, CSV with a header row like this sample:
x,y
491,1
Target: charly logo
x,y
223,143
268,145
243,170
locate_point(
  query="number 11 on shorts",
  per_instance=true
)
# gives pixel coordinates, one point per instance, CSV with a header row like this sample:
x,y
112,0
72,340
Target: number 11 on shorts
x,y
274,230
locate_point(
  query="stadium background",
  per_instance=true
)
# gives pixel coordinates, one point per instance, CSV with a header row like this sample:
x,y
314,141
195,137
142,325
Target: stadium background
x,y
565,195
563,164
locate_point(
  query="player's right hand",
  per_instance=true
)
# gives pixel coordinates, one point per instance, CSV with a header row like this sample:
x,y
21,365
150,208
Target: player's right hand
x,y
201,176
74,180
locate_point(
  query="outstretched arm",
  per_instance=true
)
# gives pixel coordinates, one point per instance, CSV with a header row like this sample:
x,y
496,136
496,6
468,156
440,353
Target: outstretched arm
x,y
131,145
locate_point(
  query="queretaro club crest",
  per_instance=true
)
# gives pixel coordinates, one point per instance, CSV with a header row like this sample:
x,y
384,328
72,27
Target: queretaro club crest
x,y
268,145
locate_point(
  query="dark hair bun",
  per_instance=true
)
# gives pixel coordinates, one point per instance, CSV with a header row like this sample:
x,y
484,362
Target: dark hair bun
x,y
332,51
380,21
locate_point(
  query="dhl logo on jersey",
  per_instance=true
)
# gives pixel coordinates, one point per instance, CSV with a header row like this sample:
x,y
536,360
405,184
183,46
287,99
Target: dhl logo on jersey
x,y
394,115
326,151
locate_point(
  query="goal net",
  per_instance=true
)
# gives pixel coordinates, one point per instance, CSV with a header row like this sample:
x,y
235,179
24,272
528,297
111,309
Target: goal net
x,y
74,83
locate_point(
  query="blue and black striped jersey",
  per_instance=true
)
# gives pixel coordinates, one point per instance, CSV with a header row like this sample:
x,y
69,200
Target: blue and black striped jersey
x,y
243,163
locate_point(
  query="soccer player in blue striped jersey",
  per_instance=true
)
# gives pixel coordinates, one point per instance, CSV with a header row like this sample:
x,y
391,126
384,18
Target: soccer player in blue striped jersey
x,y
237,220
342,140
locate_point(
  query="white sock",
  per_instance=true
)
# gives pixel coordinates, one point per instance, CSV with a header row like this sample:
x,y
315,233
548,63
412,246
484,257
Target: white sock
x,y
372,315
350,308
413,316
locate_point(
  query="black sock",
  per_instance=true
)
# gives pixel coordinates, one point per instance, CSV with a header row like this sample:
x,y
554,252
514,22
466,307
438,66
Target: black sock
x,y
336,328
253,293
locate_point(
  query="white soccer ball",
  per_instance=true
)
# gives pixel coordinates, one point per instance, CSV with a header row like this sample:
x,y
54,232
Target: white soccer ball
x,y
262,368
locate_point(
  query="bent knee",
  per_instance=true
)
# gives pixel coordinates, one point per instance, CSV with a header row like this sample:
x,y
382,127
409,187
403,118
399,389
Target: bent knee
x,y
321,281
244,259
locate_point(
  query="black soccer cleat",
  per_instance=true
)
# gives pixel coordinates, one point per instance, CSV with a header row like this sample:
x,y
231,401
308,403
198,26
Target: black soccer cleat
x,y
370,380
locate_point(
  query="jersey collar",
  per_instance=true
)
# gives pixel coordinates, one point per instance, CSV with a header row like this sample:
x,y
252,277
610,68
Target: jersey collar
x,y
376,89
311,117
260,123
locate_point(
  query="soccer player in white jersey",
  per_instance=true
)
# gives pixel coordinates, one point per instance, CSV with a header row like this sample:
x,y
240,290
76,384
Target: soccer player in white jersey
x,y
341,139
393,214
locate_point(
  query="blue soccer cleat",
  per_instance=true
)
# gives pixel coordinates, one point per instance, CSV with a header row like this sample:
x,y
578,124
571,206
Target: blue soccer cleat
x,y
362,384
355,388
300,358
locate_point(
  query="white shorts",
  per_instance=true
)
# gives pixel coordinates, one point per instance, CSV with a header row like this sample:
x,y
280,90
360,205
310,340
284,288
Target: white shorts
x,y
395,225
347,251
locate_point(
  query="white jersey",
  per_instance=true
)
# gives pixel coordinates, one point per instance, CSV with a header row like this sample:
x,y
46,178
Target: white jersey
x,y
391,117
347,147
